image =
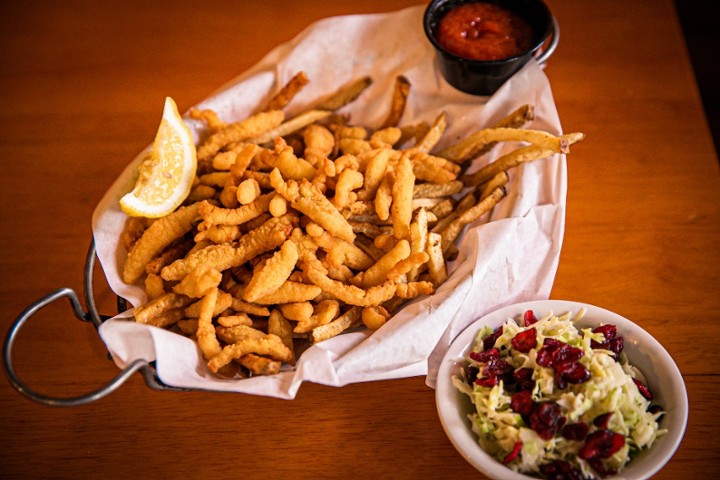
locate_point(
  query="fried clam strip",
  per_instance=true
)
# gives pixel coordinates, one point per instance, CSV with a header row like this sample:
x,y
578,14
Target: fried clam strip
x,y
268,345
352,295
375,171
433,135
344,95
223,302
499,180
257,364
418,239
466,148
290,292
213,215
199,282
432,168
465,202
398,102
273,273
157,311
470,215
206,337
374,317
349,253
290,166
347,181
133,230
435,190
385,138
402,193
266,237
297,311
403,267
516,119
287,92
378,273
515,158
414,132
210,117
293,125
280,326
169,255
324,313
156,238
337,326
234,320
249,308
154,286
239,131
319,143
307,199
436,259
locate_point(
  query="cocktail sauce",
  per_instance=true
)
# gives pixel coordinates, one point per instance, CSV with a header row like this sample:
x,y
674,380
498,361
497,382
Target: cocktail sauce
x,y
484,31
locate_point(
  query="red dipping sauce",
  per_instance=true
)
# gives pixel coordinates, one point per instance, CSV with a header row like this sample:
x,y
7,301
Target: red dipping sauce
x,y
484,31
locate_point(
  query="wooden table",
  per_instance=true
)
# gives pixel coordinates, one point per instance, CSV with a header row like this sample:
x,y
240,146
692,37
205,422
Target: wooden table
x,y
80,85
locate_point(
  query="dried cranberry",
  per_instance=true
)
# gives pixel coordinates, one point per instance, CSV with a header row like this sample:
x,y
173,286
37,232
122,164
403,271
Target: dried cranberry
x,y
608,331
545,356
514,454
566,353
523,379
522,403
486,355
601,444
493,369
644,390
487,381
546,420
471,374
570,372
525,341
575,431
611,342
602,421
497,368
489,341
560,470
552,343
529,318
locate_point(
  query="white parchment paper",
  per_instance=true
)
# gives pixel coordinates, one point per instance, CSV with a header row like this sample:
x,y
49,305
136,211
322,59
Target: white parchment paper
x,y
507,257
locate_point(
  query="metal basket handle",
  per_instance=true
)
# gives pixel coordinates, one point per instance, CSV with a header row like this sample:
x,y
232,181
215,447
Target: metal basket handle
x,y
147,369
24,389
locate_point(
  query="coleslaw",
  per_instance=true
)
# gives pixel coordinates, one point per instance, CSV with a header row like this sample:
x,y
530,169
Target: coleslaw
x,y
553,400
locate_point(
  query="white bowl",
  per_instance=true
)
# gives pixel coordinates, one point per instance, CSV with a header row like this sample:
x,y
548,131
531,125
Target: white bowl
x,y
643,351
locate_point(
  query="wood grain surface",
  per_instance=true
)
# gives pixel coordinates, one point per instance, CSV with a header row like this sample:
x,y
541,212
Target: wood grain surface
x,y
80,87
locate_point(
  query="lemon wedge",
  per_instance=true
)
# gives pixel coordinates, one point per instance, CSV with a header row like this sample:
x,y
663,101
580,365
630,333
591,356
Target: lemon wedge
x,y
166,175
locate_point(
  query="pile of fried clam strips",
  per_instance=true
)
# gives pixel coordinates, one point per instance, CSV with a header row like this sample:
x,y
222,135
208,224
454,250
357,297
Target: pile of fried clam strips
x,y
339,234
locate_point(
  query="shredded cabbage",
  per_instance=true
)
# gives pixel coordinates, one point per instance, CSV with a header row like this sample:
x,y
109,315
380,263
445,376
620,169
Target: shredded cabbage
x,y
609,389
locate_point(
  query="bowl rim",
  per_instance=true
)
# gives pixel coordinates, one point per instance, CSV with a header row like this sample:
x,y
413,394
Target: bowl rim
x,y
427,21
456,425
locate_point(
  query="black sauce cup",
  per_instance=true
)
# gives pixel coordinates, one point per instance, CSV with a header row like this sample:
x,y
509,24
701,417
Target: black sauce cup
x,y
480,77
